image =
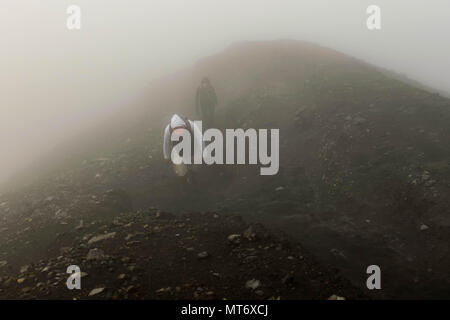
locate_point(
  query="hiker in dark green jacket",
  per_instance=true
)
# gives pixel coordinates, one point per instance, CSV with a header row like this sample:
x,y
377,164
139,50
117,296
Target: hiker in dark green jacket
x,y
206,101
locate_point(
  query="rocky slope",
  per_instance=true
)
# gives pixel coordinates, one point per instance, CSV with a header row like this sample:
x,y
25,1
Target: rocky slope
x,y
148,254
364,163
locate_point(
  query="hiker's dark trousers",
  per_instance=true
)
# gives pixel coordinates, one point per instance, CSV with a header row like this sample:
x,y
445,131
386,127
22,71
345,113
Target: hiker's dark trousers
x,y
207,116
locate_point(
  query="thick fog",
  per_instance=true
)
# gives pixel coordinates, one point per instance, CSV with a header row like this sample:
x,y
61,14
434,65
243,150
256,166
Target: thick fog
x,y
55,83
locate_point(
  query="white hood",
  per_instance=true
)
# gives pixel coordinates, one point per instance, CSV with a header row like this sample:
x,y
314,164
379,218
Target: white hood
x,y
176,121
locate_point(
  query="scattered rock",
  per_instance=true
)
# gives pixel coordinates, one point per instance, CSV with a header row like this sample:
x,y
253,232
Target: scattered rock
x,y
163,290
249,233
24,269
96,291
203,255
259,292
252,284
131,289
95,254
26,289
234,238
102,237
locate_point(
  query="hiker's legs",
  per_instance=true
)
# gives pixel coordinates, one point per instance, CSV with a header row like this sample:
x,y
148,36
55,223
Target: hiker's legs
x,y
211,117
205,117
208,116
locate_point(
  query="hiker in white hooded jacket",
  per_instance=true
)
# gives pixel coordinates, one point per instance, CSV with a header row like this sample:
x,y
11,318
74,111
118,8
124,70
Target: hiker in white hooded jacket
x,y
176,125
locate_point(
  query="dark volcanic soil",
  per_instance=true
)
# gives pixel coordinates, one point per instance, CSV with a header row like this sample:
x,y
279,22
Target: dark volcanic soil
x,y
154,255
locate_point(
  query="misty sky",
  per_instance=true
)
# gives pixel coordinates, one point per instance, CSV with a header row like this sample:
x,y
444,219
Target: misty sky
x,y
54,83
